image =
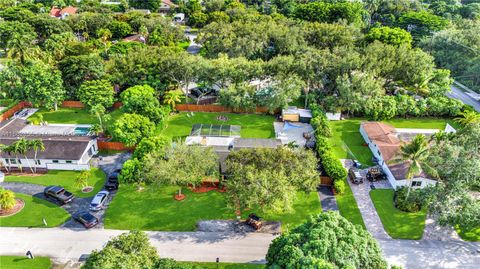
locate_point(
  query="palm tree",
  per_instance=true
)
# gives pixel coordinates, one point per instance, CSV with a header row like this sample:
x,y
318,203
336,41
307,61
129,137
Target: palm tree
x,y
173,97
3,149
468,117
415,154
36,145
22,146
99,111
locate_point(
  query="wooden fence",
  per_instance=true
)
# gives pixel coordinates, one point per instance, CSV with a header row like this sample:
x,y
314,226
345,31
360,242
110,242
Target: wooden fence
x,y
326,181
104,145
216,108
9,113
72,104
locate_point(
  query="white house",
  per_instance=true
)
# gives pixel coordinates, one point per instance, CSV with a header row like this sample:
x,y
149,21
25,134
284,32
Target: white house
x,y
384,142
61,153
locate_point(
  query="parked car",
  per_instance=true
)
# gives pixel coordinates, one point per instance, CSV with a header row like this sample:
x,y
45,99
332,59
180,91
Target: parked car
x,y
112,181
59,193
99,201
88,220
355,176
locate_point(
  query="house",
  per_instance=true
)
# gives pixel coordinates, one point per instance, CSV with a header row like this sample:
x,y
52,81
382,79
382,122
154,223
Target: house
x,y
179,17
67,146
136,38
384,142
296,114
62,13
166,6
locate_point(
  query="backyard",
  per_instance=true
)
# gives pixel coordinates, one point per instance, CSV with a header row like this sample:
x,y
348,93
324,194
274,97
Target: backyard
x,y
33,213
65,179
253,125
347,205
70,116
398,224
22,262
155,209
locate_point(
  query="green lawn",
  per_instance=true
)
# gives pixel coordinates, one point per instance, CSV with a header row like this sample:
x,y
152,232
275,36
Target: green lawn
x,y
226,265
22,262
155,209
65,179
33,213
253,125
421,123
469,235
184,44
70,116
398,224
348,207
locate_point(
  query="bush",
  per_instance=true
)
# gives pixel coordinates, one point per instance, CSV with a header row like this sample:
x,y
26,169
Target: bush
x,y
7,199
339,186
333,166
415,200
130,172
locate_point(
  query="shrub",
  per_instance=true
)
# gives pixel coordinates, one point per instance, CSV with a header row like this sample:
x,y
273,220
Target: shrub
x,y
339,186
7,199
130,172
333,166
413,203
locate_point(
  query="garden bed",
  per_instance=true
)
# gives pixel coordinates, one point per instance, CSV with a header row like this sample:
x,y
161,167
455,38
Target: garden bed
x,y
19,205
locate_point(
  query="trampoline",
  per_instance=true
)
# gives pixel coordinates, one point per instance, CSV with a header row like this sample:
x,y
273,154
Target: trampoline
x,y
215,130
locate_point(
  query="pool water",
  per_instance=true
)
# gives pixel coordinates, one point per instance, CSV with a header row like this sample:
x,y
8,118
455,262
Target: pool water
x,y
81,131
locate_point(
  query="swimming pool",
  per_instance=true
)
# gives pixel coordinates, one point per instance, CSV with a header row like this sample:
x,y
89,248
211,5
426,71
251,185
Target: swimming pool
x,y
81,131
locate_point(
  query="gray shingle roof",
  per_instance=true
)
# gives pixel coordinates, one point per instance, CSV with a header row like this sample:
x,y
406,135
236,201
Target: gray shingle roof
x,y
56,148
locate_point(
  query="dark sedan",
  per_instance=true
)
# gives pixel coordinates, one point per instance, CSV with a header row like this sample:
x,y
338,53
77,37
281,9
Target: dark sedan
x,y
86,219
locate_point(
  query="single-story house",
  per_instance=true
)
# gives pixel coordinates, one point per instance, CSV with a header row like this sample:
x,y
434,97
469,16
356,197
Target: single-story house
x,y
62,13
166,6
61,153
136,38
295,114
384,142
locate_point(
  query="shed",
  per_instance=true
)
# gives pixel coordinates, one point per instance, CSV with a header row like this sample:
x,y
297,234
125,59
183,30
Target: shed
x,y
297,114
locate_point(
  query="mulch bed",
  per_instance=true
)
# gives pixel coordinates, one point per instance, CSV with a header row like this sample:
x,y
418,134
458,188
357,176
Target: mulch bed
x,y
207,186
17,208
179,197
87,189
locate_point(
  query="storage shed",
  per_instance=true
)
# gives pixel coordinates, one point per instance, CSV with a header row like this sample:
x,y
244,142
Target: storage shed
x,y
295,114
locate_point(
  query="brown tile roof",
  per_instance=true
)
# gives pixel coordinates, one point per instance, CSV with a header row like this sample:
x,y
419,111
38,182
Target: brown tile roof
x,y
383,135
57,12
169,3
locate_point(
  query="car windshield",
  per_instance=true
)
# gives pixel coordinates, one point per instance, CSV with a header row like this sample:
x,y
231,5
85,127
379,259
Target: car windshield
x,y
88,217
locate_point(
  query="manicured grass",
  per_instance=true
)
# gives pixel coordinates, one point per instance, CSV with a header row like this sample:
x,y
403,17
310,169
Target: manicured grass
x,y
348,143
348,207
252,125
469,235
184,44
33,213
22,262
398,224
155,209
421,123
70,116
65,179
226,265
305,206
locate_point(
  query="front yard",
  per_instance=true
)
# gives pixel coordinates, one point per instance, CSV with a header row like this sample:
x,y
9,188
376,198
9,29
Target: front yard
x,y
155,209
253,125
33,213
398,224
22,262
65,179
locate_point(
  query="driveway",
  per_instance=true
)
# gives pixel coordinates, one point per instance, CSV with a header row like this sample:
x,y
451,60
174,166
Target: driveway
x,y
327,198
465,98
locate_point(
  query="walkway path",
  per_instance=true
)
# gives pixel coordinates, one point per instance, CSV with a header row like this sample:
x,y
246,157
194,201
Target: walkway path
x,y
327,198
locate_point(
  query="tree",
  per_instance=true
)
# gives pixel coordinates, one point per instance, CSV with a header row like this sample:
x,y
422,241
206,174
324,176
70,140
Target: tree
x,y
78,69
280,93
18,40
173,97
128,250
151,144
36,82
119,29
56,44
421,23
180,165
468,117
151,5
81,181
7,199
96,92
269,178
36,145
22,146
100,112
381,107
132,128
415,154
391,36
104,35
131,172
327,240
141,100
352,12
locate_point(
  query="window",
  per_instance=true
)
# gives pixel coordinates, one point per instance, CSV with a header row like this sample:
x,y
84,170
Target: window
x,y
38,162
13,161
416,183
68,161
55,161
7,161
379,153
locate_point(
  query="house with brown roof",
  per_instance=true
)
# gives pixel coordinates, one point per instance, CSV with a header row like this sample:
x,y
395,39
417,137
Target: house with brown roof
x,y
166,6
384,141
62,13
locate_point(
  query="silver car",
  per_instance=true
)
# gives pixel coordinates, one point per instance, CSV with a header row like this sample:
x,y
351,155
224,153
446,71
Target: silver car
x,y
99,201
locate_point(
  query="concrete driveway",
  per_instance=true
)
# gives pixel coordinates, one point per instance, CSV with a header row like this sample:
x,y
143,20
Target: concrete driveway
x,y
465,98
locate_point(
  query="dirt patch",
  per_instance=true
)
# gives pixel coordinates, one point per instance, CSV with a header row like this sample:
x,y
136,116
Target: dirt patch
x,y
179,197
20,204
87,189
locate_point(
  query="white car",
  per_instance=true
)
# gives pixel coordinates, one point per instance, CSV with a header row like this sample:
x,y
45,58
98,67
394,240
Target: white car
x,y
99,201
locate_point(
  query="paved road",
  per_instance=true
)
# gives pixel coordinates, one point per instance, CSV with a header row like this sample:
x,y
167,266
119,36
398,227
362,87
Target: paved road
x,y
465,98
70,244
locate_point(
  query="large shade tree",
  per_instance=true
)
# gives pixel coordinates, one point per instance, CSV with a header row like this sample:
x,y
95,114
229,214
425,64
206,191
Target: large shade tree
x,y
132,128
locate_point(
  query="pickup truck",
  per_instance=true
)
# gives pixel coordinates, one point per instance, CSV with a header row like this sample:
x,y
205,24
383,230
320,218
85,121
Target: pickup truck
x,y
58,193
